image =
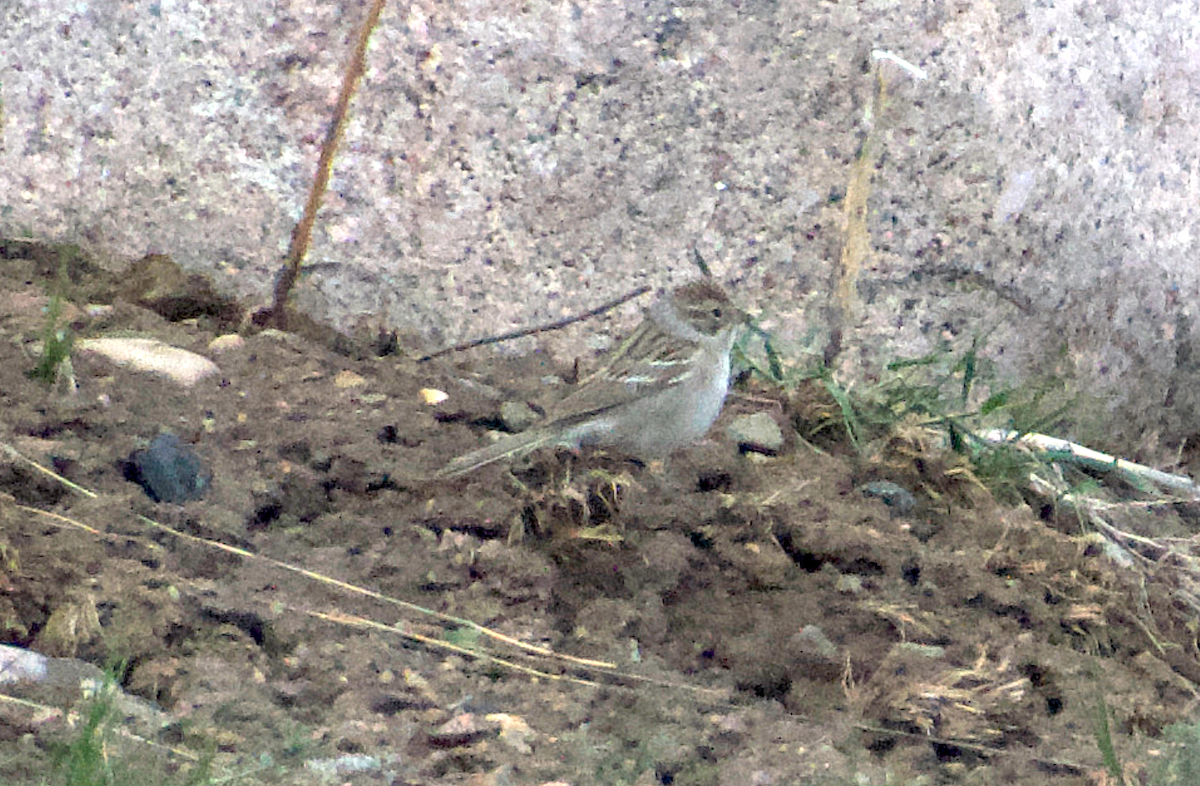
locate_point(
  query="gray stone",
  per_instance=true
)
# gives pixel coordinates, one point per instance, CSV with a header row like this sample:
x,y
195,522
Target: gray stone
x,y
758,432
517,415
899,499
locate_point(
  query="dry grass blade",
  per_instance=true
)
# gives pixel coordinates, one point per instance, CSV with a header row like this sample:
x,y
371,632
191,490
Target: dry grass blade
x,y
595,667
1166,569
309,574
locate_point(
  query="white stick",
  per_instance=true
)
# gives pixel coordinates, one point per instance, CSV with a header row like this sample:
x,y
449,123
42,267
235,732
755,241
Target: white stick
x,y
1063,449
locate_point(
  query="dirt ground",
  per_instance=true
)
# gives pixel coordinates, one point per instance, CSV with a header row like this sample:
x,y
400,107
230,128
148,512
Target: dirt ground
x,y
762,620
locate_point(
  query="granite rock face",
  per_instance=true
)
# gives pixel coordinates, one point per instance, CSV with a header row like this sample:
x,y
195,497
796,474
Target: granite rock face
x,y
509,163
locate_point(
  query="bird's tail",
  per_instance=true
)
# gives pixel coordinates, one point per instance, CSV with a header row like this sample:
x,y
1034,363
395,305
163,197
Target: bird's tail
x,y
511,446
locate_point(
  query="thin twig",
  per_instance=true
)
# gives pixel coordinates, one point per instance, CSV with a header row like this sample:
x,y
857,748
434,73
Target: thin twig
x,y
558,325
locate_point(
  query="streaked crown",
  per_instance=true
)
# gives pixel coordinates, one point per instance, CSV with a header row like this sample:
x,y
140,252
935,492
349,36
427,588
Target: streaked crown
x,y
706,307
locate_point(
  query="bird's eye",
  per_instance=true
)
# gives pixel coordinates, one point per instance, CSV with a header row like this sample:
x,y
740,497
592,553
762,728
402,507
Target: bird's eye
x,y
716,312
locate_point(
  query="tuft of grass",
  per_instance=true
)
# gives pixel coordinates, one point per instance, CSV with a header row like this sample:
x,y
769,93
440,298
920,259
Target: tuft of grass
x,y
951,394
84,761
55,360
1102,731
99,754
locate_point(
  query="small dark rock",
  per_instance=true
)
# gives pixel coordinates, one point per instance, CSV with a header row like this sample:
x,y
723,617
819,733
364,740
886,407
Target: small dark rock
x,y
898,498
169,471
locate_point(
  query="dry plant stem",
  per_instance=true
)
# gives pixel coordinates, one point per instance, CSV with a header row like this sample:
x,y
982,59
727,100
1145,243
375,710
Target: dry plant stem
x,y
857,239
856,244
557,325
362,622
302,234
712,694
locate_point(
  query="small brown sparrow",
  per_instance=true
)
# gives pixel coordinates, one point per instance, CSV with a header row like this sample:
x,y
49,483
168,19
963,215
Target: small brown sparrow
x,y
660,390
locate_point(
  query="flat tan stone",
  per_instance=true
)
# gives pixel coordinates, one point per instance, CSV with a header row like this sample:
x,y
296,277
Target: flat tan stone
x,y
149,354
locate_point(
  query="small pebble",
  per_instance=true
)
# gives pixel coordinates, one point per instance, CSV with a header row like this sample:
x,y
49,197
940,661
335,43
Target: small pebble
x,y
346,379
849,584
226,342
432,396
898,498
151,355
517,415
924,650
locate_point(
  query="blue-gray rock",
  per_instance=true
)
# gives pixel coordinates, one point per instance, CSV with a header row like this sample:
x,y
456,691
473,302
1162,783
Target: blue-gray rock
x,y
170,471
898,498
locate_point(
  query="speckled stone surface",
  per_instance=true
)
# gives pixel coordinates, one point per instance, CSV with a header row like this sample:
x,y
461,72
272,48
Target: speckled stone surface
x,y
513,162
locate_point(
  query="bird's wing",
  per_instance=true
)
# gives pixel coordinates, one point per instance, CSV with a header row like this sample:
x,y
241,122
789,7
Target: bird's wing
x,y
648,361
